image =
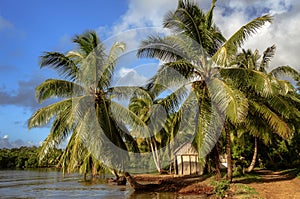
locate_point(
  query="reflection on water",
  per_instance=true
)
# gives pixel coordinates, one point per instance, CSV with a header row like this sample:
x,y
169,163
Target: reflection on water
x,y
50,184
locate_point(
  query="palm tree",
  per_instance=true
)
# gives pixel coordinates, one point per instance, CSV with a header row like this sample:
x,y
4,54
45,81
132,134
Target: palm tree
x,y
77,158
194,55
84,95
161,121
267,113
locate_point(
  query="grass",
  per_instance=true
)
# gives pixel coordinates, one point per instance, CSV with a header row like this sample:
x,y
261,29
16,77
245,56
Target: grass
x,y
245,192
240,190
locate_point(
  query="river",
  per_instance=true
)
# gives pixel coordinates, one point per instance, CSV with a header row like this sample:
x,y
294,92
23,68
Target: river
x,y
41,183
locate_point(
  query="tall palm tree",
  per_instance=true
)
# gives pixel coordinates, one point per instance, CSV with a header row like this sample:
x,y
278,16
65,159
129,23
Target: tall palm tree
x,y
194,55
84,102
267,113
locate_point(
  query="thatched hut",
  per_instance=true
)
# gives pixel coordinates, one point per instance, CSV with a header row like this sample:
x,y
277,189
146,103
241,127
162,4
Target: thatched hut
x,y
186,161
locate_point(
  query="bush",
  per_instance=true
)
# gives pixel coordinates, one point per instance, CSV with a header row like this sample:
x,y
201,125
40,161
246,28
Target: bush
x,y
221,187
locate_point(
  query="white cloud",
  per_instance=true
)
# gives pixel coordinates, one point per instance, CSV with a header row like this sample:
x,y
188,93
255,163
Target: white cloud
x,y
144,13
283,32
130,77
229,16
5,137
142,18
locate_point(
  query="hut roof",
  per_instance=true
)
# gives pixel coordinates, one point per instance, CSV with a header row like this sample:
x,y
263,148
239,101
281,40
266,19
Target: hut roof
x,y
186,148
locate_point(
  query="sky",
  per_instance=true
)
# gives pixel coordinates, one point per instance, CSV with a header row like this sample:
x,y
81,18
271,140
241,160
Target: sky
x,y
29,28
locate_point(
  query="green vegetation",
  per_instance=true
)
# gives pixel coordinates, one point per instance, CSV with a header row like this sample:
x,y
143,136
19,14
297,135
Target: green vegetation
x,y
27,157
245,192
224,95
221,188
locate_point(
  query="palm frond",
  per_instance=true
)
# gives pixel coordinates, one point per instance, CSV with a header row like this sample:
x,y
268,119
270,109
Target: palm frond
x,y
230,47
258,127
285,71
123,114
89,42
189,20
268,55
61,128
209,124
63,64
185,19
229,100
167,49
285,87
109,65
126,92
283,106
57,88
209,14
277,124
255,81
172,102
172,74
45,114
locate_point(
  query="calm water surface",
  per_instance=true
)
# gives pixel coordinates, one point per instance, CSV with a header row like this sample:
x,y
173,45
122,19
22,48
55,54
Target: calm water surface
x,y
51,184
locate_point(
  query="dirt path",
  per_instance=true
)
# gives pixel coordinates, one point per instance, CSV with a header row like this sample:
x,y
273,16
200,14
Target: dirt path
x,y
269,184
277,185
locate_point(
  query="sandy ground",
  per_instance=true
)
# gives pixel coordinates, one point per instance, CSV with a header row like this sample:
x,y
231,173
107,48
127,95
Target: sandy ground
x,y
277,185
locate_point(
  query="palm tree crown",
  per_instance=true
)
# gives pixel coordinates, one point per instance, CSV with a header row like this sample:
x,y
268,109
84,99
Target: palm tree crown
x,y
85,99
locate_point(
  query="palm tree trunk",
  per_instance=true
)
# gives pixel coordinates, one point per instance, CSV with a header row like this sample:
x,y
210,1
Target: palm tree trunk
x,y
115,173
215,152
228,152
155,154
94,170
251,167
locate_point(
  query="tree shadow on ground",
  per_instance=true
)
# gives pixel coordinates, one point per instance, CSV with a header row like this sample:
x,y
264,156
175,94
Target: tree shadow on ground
x,y
266,176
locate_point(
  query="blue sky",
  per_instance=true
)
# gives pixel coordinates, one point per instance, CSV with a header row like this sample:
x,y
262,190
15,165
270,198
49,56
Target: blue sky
x,y
28,28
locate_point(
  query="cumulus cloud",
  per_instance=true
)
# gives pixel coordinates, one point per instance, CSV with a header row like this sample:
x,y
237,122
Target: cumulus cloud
x,y
142,18
229,15
283,32
144,13
130,77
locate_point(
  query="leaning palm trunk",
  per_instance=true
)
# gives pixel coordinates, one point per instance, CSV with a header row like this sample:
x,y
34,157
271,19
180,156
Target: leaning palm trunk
x,y
251,167
216,158
228,152
155,154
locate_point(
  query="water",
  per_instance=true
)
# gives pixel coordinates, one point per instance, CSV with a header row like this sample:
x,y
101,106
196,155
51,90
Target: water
x,y
50,184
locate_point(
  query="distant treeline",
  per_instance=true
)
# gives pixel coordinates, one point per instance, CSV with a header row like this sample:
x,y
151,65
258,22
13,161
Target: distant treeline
x,y
27,157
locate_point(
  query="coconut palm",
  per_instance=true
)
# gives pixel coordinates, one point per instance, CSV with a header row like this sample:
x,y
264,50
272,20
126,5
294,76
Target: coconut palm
x,y
82,110
267,113
161,121
194,55
77,158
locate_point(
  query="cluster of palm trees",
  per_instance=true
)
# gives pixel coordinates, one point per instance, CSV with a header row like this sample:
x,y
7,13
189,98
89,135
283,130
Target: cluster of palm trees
x,y
216,89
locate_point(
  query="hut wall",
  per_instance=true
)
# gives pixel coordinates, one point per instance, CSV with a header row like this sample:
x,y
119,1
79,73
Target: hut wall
x,y
187,164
